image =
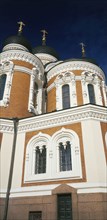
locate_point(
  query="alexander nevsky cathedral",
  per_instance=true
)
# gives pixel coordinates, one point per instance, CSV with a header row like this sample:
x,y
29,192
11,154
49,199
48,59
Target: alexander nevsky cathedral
x,y
53,134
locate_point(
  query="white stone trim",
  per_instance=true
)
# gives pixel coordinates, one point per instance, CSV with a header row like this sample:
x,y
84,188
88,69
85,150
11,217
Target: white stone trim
x,y
37,78
62,79
68,116
37,140
13,46
75,65
51,65
30,191
46,58
64,135
8,69
90,78
23,56
49,88
90,187
6,126
84,90
104,92
98,96
22,69
52,152
47,189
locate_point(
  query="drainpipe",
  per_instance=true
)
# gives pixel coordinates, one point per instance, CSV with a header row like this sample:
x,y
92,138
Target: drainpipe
x,y
15,122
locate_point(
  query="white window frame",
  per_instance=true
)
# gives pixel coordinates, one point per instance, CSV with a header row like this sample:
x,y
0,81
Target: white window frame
x,y
64,135
37,78
91,78
52,157
37,140
66,78
7,68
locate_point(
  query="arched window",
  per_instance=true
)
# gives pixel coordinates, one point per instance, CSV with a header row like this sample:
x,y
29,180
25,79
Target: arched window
x,y
37,158
2,85
57,156
91,93
65,96
35,94
65,156
40,160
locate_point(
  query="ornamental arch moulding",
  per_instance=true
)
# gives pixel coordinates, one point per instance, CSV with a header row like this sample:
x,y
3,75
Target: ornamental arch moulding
x,y
65,78
34,155
68,159
91,78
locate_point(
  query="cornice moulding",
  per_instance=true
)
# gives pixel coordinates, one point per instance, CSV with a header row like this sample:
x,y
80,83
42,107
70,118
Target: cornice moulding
x,y
46,57
22,56
58,118
47,189
13,46
22,69
6,126
75,65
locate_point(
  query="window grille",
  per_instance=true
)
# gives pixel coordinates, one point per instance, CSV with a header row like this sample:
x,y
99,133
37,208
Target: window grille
x,y
40,160
65,156
35,215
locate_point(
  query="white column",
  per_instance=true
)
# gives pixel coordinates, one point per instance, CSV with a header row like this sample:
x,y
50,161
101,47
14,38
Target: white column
x,y
32,164
7,68
98,96
39,101
58,96
31,92
104,92
84,90
73,95
8,85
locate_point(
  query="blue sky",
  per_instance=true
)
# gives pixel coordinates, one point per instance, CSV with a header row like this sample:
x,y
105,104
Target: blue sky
x,y
68,23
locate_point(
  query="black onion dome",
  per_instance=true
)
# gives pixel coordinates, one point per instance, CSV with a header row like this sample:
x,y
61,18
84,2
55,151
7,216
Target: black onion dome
x,y
18,39
45,49
90,60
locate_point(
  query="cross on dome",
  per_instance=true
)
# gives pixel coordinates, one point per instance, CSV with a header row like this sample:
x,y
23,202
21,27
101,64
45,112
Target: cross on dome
x,y
44,36
83,49
21,24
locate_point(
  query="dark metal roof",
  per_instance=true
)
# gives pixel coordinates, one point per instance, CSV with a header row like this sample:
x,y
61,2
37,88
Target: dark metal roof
x,y
83,59
18,39
45,49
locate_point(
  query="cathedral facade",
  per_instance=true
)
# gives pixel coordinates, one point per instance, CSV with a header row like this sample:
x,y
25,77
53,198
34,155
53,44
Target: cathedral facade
x,y
53,135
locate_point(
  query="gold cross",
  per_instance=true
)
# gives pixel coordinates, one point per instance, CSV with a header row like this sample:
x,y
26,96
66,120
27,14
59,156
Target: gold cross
x,y
44,37
83,49
21,24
